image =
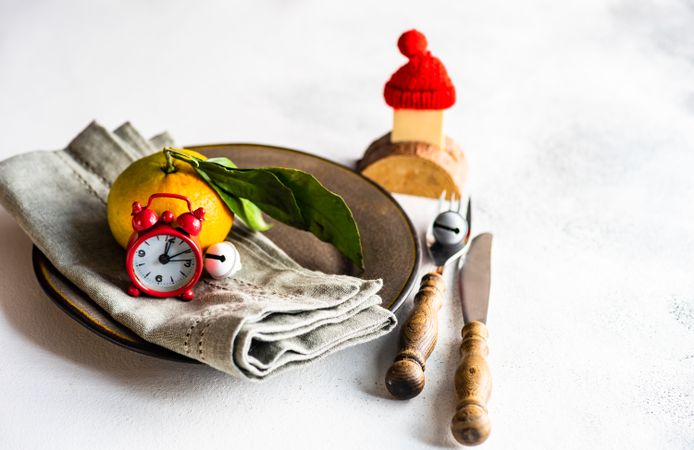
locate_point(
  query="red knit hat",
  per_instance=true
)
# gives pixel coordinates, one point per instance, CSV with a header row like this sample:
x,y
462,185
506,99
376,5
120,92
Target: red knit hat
x,y
423,82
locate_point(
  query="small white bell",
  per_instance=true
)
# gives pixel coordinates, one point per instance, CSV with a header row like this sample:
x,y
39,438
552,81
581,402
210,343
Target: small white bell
x,y
450,228
222,260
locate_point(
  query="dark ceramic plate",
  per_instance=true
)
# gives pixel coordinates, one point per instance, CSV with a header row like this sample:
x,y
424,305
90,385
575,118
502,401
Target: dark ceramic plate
x,y
391,247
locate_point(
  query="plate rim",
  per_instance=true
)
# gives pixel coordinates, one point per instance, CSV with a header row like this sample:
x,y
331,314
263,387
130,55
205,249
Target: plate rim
x,y
39,261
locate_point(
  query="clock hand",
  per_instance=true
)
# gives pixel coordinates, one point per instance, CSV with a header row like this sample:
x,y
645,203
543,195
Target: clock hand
x,y
164,257
179,253
180,260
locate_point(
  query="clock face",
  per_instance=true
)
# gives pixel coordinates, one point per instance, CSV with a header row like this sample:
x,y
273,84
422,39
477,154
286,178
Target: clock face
x,y
164,263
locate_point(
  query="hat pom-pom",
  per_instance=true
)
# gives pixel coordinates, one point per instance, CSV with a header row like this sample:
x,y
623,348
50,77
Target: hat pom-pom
x,y
412,43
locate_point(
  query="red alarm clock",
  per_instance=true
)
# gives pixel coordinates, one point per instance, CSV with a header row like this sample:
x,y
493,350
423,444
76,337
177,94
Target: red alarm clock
x,y
164,258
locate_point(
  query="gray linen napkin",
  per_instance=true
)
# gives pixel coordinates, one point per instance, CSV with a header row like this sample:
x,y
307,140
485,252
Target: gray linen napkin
x,y
272,315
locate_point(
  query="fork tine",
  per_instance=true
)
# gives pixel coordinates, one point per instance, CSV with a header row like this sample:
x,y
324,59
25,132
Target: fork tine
x,y
460,204
451,204
441,199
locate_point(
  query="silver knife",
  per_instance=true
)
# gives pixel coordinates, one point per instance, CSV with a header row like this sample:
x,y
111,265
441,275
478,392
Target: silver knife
x,y
473,380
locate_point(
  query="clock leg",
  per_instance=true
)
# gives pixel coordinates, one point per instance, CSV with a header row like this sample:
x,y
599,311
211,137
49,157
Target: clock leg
x,y
133,291
187,295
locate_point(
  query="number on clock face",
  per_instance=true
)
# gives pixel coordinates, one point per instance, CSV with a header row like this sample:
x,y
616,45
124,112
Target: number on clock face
x,y
164,263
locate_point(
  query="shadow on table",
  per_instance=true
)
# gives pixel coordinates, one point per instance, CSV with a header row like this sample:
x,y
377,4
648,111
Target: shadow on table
x,y
437,431
433,427
31,313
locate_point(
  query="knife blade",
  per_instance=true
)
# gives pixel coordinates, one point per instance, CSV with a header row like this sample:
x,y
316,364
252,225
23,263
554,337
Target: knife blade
x,y
473,382
475,279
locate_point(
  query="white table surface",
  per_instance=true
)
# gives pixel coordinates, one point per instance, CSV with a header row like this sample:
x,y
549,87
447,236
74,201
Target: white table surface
x,y
578,119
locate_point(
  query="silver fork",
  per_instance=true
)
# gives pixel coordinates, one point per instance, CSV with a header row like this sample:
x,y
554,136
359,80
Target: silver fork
x,y
449,234
446,239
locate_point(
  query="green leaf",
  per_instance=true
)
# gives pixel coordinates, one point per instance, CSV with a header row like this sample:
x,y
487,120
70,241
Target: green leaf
x,y
226,162
291,196
325,213
255,219
260,187
245,210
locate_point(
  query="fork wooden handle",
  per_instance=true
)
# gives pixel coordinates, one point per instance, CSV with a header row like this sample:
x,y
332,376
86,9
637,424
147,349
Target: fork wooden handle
x,y
405,378
473,385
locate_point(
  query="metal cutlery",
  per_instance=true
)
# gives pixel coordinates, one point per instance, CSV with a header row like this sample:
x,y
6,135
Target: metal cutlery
x,y
473,381
446,240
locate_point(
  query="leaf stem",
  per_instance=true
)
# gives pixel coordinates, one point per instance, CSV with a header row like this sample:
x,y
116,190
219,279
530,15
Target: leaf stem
x,y
172,153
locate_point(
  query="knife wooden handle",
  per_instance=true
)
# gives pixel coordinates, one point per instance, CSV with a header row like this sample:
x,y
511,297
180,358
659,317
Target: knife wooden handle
x,y
405,378
473,385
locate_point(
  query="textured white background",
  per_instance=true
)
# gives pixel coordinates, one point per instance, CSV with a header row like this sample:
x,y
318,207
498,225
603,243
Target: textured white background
x,y
578,119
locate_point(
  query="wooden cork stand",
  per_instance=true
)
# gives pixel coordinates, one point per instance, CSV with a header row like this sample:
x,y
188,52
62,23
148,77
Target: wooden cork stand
x,y
415,168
